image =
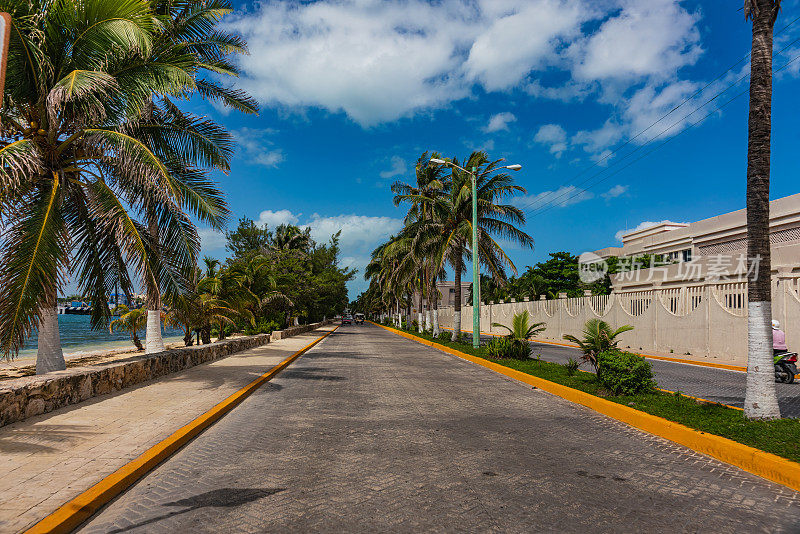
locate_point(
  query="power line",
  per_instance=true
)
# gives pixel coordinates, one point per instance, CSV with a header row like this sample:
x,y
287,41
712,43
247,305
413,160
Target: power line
x,y
617,171
544,200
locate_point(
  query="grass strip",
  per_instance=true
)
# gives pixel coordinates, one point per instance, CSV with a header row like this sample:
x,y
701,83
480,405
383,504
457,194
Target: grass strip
x,y
780,437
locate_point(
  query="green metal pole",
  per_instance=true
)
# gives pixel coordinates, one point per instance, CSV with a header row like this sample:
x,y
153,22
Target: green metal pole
x,y
476,280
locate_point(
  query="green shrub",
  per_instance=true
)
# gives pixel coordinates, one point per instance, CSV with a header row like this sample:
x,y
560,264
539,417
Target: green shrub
x,y
445,336
572,366
504,348
624,373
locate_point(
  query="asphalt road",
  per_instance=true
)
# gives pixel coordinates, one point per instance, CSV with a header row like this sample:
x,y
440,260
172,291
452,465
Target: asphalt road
x,y
370,432
718,385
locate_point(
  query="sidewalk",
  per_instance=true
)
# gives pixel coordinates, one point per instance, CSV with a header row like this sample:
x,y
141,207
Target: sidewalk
x,y
49,459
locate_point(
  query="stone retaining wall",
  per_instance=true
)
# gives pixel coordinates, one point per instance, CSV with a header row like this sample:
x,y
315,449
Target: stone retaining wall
x,y
25,397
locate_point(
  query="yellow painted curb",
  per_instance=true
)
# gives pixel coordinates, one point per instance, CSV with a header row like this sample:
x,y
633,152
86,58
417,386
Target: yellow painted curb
x,y
752,460
72,514
649,356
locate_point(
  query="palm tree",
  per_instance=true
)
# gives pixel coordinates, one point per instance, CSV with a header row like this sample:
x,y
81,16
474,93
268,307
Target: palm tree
x,y
598,336
189,40
430,184
129,321
290,237
521,327
761,400
71,164
450,228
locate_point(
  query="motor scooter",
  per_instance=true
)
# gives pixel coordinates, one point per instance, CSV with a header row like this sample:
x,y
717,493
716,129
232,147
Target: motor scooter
x,y
785,367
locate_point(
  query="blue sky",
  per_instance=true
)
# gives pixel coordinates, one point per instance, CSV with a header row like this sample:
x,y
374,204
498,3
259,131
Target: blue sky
x,y
352,92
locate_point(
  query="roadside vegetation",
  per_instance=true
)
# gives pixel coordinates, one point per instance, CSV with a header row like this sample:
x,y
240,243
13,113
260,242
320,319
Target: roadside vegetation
x,y
780,437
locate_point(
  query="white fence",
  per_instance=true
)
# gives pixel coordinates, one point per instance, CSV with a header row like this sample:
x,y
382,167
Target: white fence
x,y
707,320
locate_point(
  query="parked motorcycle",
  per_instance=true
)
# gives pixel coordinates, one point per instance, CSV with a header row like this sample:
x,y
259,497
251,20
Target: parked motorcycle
x,y
785,367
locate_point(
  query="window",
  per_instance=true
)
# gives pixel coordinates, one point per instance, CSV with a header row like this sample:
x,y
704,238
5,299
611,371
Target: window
x,y
687,254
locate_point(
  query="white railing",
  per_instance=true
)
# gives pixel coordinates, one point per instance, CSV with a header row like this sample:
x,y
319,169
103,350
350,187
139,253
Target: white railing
x,y
636,302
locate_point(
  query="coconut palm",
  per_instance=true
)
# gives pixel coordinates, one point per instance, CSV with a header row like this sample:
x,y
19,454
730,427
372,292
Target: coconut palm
x,y
189,40
449,230
521,326
598,336
430,184
290,237
130,321
761,400
71,164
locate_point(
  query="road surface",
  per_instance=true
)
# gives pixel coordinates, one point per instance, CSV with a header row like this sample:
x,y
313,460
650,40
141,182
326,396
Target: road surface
x,y
371,432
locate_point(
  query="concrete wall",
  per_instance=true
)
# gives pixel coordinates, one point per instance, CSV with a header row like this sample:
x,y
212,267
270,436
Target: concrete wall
x,y
21,398
707,321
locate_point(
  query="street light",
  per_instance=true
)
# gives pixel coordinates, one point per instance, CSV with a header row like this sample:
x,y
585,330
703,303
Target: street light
x,y
476,282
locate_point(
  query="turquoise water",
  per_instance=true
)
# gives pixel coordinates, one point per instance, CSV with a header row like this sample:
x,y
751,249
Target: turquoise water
x,y
77,337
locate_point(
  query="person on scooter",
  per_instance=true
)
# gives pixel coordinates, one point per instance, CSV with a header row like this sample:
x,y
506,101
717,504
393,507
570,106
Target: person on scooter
x,y
778,339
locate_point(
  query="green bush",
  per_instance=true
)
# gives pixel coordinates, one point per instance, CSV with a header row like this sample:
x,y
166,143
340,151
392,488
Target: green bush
x,y
445,336
504,348
624,373
572,366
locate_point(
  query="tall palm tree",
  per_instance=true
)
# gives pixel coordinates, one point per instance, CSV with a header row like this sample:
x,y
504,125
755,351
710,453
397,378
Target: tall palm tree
x,y
190,41
430,184
70,165
761,400
450,227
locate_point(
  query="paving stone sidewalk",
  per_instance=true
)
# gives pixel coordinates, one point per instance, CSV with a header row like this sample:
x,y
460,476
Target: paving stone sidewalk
x,y
49,459
371,432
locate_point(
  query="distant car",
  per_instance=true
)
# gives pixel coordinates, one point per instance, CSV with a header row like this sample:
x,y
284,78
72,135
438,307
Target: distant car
x,y
346,319
359,318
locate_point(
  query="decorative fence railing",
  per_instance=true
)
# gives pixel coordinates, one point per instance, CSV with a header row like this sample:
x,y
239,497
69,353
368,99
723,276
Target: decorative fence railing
x,y
707,320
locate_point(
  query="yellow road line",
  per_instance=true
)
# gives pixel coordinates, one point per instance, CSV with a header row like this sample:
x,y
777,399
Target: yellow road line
x,y
750,459
73,513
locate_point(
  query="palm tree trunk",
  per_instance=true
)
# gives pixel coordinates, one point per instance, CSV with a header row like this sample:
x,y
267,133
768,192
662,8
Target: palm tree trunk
x,y
435,305
761,401
457,303
49,356
420,326
153,340
136,341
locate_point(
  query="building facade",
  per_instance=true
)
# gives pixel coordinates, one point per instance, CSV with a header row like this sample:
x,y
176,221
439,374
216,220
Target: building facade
x,y
710,250
447,295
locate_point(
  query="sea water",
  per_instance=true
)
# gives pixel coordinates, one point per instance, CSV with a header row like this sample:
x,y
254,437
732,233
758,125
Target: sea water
x,y
77,337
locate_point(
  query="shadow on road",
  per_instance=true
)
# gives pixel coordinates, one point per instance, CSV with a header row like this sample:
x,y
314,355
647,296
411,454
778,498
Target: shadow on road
x,y
218,498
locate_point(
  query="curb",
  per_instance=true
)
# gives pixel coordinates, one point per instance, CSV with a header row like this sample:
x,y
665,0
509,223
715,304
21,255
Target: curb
x,y
70,515
698,363
760,463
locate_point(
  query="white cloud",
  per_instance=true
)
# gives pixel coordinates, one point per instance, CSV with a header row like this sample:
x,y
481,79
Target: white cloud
x,y
271,219
614,192
554,137
562,197
523,36
647,38
640,226
398,168
256,147
499,121
377,61
360,233
211,240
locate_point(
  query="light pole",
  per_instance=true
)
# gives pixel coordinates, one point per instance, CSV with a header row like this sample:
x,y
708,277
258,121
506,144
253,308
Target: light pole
x,y
476,278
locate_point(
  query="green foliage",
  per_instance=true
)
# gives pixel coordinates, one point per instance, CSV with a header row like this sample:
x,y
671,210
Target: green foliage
x,y
571,367
598,336
130,321
263,326
624,373
248,239
506,347
521,326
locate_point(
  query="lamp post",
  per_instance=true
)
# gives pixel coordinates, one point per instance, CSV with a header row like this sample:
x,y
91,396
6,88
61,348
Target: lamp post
x,y
476,278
